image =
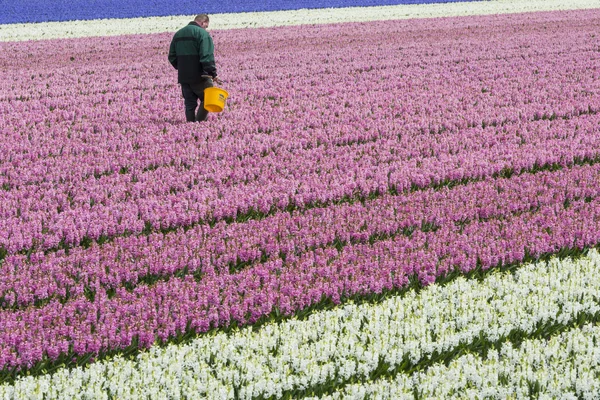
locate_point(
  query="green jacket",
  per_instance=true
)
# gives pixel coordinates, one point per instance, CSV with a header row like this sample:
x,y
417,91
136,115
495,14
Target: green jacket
x,y
192,54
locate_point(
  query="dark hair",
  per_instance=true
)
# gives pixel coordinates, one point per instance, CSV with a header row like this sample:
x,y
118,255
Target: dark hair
x,y
201,17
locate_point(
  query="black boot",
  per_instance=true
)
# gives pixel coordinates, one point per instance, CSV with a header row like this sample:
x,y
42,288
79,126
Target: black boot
x,y
190,116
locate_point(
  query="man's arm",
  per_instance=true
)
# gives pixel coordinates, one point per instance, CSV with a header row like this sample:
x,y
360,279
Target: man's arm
x,y
173,55
207,57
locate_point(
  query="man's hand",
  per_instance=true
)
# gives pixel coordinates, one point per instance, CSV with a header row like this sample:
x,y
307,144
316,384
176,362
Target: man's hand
x,y
217,80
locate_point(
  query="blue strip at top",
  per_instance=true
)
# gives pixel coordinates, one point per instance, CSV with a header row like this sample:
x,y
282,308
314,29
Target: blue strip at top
x,y
24,11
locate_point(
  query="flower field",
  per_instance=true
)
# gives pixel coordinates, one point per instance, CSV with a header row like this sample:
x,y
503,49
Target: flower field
x,y
403,208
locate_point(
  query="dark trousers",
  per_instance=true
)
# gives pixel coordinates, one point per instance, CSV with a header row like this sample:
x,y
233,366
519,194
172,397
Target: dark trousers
x,y
192,92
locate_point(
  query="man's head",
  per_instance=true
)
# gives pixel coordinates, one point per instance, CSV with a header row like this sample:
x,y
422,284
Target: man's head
x,y
202,20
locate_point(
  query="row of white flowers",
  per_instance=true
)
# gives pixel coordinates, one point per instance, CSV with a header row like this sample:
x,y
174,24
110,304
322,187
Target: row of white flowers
x,y
565,367
351,341
111,27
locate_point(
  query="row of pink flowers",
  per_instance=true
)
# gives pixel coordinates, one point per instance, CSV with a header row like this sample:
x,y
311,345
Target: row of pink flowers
x,y
166,199
208,250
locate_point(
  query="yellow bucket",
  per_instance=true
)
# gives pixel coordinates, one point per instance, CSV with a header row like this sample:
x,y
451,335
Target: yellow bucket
x,y
214,99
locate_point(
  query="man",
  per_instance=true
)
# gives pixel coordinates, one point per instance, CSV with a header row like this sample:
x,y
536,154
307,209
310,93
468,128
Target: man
x,y
192,54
